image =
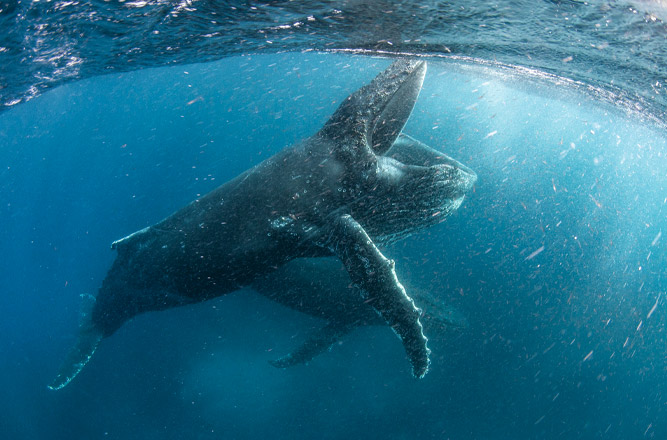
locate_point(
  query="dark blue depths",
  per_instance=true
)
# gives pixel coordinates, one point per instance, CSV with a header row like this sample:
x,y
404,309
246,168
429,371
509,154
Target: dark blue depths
x,y
557,259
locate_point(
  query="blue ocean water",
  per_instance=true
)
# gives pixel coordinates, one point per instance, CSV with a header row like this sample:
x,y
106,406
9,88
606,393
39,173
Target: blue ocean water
x,y
557,258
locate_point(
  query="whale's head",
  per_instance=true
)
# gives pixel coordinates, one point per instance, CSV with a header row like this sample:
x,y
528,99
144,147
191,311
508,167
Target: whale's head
x,y
413,187
396,185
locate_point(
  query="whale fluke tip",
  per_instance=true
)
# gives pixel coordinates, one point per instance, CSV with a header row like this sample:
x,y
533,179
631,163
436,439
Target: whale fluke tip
x,y
89,337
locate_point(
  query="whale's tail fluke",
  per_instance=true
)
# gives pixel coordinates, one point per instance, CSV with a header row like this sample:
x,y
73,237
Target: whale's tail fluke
x,y
80,354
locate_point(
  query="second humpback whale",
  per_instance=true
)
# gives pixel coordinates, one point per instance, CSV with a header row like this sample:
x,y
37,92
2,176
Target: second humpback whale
x,y
334,194
321,287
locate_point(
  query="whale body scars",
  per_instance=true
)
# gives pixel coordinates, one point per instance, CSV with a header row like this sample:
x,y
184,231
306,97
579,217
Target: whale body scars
x,y
338,193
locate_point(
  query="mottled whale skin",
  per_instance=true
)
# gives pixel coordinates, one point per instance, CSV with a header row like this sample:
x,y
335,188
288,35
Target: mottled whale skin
x,y
334,194
321,287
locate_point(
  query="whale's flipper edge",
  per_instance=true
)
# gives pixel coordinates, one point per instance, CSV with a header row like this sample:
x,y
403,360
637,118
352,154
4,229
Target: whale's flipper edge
x,y
376,276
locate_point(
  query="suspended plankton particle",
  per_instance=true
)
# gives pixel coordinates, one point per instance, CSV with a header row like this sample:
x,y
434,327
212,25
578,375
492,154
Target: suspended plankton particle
x,y
657,237
535,253
654,306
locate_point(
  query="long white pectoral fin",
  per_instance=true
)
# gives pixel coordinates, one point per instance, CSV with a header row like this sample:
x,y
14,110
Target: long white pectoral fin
x,y
375,275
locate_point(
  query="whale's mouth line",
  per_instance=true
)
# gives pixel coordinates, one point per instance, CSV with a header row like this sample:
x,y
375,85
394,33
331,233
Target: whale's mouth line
x,y
418,156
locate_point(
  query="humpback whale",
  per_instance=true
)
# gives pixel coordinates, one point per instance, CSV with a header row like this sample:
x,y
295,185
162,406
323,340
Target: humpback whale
x,y
334,194
321,287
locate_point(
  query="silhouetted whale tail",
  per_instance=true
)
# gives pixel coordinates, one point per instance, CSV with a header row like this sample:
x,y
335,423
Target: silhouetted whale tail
x,y
80,354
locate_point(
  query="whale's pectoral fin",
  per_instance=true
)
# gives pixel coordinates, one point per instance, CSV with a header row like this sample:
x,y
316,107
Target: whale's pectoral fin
x,y
376,277
375,114
317,343
80,354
